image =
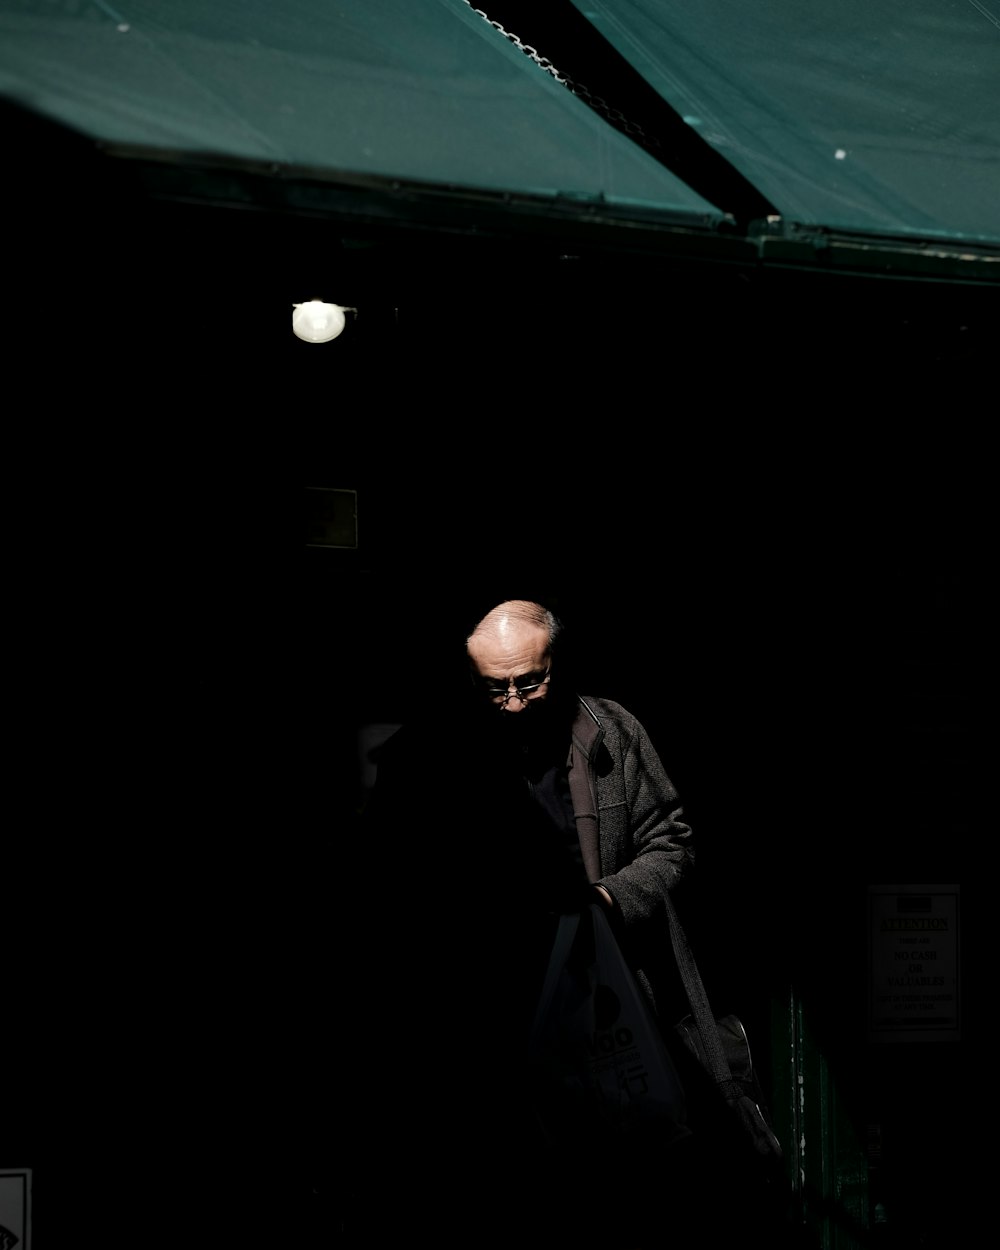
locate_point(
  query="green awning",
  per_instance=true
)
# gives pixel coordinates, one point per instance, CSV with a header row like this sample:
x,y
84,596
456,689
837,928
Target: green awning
x,y
848,136
421,92
875,117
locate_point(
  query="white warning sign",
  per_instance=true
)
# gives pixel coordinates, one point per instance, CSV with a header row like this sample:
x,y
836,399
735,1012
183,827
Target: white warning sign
x,y
914,991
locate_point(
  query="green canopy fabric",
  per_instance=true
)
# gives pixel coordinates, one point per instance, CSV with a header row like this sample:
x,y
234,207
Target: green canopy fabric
x,y
424,92
877,117
876,121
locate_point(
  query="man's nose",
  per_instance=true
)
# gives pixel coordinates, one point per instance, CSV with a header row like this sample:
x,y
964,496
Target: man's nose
x,y
514,703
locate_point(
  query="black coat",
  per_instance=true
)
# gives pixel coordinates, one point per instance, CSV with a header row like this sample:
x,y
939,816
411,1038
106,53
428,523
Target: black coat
x,y
462,878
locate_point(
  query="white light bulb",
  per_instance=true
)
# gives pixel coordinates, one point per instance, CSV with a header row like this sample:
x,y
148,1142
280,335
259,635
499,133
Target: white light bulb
x,y
318,322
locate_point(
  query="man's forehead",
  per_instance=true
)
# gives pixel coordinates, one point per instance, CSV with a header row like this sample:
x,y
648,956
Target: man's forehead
x,y
509,652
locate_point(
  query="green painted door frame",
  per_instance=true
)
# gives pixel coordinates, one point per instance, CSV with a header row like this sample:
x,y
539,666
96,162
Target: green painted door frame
x,y
826,1162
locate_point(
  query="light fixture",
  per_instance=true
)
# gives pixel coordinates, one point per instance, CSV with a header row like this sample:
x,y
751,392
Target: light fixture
x,y
318,322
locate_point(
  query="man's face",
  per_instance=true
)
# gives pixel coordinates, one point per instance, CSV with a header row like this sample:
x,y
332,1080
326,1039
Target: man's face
x,y
512,667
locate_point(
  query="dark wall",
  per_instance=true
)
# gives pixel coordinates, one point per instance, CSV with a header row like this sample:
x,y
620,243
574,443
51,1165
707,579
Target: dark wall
x,y
807,644
761,507
805,651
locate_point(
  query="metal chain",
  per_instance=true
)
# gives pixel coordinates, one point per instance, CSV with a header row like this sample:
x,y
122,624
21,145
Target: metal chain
x,y
543,61
615,116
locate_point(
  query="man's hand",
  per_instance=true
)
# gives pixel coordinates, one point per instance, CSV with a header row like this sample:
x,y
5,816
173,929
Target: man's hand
x,y
604,898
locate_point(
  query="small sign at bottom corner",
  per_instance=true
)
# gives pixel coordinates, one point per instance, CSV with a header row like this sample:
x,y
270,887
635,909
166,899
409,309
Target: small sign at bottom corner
x,y
15,1209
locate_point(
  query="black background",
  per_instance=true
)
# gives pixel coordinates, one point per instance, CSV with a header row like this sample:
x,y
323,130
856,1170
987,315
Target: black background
x,y
763,505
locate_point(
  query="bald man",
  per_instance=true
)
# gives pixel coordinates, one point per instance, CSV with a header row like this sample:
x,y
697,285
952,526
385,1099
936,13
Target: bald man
x,y
508,799
587,763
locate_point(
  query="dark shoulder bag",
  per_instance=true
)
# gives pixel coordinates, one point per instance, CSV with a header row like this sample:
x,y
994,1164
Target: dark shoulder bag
x,y
722,1048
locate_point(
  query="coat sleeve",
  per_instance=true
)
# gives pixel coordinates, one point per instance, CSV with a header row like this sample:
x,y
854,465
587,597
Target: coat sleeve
x,y
647,847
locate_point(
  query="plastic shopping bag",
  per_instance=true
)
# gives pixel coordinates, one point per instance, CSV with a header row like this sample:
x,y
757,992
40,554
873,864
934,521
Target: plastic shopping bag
x,y
601,1068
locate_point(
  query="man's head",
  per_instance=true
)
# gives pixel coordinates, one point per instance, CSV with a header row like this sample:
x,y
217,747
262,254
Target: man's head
x,y
510,652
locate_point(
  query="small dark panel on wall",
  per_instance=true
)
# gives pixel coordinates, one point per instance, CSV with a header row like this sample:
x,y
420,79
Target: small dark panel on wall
x,y
331,517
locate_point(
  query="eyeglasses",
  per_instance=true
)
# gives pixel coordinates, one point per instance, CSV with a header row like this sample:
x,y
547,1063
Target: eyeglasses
x,y
526,687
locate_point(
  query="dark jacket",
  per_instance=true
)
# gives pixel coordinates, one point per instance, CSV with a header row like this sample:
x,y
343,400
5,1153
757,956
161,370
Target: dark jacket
x,y
632,836
463,856
454,904
628,813
455,926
